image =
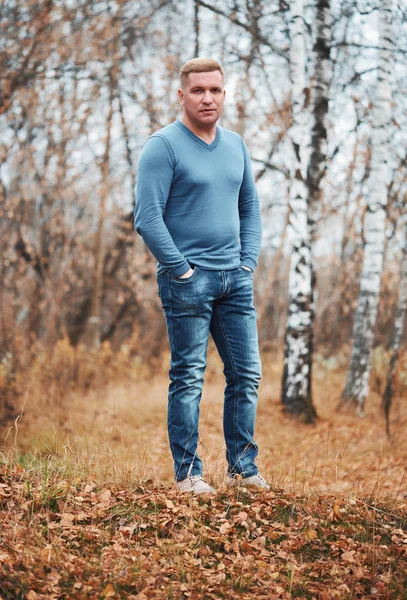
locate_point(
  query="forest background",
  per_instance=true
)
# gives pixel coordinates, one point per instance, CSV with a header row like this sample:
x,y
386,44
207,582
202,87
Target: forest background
x,y
318,92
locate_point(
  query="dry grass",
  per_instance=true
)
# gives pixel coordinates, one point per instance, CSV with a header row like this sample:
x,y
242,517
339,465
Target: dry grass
x,y
120,431
87,510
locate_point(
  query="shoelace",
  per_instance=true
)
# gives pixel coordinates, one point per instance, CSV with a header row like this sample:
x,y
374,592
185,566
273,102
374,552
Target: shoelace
x,y
195,478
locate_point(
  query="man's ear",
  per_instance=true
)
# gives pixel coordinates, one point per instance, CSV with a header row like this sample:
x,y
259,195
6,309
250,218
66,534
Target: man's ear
x,y
180,95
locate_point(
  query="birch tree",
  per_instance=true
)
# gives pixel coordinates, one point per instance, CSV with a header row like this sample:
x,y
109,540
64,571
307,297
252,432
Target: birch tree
x,y
308,169
357,384
397,334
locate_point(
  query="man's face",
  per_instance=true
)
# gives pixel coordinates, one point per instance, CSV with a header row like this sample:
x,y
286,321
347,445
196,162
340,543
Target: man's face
x,y
203,98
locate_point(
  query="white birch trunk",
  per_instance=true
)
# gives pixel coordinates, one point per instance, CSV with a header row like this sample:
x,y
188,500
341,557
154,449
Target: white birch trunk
x,y
397,334
309,165
357,384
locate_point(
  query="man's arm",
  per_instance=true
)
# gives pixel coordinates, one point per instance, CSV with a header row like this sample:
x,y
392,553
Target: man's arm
x,y
154,179
250,216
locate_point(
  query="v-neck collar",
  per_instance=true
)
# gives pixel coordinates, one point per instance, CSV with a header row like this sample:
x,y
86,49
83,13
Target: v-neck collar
x,y
209,147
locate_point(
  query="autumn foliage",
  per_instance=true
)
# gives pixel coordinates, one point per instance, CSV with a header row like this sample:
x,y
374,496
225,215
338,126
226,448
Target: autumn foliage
x,y
73,538
87,506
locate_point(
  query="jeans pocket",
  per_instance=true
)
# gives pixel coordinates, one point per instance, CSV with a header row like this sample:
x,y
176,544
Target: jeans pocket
x,y
185,280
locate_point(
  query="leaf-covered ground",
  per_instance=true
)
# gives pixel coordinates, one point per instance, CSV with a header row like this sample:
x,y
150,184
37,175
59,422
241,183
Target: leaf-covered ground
x,y
68,537
88,510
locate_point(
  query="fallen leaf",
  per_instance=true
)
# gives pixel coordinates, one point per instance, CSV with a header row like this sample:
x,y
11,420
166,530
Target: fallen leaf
x,y
259,542
242,516
4,557
311,534
348,556
67,519
225,527
109,591
105,496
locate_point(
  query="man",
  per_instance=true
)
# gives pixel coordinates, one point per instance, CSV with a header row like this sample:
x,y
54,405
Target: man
x,y
198,212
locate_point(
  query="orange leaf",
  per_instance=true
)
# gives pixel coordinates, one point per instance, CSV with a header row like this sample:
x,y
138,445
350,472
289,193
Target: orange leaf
x,y
109,591
311,534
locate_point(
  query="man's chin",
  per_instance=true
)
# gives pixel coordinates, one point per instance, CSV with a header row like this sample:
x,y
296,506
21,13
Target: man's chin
x,y
209,118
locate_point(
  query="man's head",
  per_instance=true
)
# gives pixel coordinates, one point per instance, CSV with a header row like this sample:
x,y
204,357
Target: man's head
x,y
201,93
199,65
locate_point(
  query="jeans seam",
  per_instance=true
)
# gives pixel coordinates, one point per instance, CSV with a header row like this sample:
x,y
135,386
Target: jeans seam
x,y
172,345
171,339
235,390
159,282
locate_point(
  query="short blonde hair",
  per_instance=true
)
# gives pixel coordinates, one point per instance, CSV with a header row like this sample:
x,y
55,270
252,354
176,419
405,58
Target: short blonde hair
x,y
199,65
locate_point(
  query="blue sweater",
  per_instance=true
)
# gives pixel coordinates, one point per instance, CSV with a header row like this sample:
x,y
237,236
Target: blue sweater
x,y
196,203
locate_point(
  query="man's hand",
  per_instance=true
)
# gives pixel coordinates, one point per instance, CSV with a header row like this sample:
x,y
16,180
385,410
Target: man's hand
x,y
187,274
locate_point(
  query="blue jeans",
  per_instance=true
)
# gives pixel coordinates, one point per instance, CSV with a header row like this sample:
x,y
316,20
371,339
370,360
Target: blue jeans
x,y
219,303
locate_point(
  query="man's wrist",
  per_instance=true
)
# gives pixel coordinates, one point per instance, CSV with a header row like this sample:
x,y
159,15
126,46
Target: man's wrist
x,y
187,274
181,270
247,261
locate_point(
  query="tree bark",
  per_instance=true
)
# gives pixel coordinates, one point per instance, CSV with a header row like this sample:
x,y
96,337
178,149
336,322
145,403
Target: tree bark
x,y
357,384
397,335
196,28
304,203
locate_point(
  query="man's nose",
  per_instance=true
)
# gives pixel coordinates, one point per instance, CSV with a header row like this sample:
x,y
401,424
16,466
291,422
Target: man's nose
x,y
207,99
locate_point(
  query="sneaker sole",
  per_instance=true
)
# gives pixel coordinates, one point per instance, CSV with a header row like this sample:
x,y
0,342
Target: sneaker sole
x,y
242,483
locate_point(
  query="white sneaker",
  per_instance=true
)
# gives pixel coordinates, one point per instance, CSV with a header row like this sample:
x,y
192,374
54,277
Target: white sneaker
x,y
256,481
195,484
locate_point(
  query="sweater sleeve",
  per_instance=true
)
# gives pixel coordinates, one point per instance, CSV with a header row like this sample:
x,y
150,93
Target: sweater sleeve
x,y
154,179
250,216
